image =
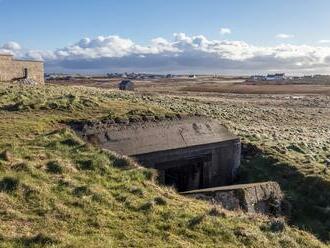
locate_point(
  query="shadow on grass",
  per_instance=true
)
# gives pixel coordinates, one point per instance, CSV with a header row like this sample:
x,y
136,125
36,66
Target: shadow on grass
x,y
39,240
308,195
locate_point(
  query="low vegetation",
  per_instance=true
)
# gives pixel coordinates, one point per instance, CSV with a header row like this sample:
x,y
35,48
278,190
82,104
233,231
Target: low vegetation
x,y
290,138
58,191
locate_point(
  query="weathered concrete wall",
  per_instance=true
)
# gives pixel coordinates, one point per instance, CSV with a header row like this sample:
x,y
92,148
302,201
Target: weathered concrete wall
x,y
220,162
266,198
11,69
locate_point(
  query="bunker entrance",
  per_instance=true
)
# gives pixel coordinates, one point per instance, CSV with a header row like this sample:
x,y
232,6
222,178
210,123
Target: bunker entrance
x,y
186,174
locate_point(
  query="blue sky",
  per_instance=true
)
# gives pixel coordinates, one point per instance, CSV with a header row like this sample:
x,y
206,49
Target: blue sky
x,y
50,25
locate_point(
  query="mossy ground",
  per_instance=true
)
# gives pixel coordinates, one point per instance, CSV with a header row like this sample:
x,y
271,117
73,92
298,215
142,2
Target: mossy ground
x,y
58,191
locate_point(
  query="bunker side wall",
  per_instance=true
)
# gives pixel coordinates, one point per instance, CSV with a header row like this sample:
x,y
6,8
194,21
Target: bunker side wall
x,y
225,164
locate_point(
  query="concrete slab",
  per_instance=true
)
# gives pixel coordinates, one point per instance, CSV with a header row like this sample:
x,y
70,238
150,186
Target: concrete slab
x,y
266,198
147,137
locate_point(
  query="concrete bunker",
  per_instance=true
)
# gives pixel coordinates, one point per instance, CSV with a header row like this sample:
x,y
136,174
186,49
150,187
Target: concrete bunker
x,y
198,156
191,153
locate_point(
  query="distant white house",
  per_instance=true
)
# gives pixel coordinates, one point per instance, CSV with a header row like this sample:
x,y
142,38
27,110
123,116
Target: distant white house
x,y
276,77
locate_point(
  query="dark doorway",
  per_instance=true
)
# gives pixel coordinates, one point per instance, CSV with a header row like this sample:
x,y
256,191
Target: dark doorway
x,y
185,175
25,73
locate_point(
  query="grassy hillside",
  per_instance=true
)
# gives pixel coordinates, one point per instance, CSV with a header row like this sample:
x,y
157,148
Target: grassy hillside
x,y
288,141
58,191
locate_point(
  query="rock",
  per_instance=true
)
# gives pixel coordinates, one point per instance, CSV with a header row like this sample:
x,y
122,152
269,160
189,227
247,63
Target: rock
x,y
135,118
160,200
108,121
277,225
160,117
121,120
7,156
147,205
327,162
148,118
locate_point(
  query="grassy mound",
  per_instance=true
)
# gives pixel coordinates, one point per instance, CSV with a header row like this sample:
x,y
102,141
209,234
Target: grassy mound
x,y
57,191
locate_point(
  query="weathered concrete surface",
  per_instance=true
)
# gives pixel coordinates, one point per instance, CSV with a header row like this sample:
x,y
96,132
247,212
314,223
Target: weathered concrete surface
x,y
11,69
265,198
147,137
189,154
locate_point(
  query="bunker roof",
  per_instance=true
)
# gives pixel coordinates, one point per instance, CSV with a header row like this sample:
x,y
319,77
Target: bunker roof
x,y
148,137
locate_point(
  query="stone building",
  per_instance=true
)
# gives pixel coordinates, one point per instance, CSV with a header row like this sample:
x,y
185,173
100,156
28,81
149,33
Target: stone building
x,y
191,153
21,70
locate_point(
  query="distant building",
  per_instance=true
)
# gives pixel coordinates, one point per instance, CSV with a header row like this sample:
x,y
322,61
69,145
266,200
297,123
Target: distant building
x,y
126,85
21,70
257,78
275,77
308,77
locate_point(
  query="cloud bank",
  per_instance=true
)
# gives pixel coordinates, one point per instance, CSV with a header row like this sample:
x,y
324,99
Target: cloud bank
x,y
182,54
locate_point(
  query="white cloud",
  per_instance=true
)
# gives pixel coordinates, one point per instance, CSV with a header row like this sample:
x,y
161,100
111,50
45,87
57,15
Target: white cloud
x,y
324,41
11,46
225,31
182,54
284,36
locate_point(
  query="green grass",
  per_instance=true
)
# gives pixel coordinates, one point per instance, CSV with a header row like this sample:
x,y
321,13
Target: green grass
x,y
308,194
292,149
58,191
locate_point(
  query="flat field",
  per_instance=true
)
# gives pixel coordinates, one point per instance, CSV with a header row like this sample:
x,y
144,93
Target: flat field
x,y
185,85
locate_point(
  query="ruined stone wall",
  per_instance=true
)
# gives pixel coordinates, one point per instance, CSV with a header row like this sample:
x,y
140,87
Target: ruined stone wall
x,y
11,69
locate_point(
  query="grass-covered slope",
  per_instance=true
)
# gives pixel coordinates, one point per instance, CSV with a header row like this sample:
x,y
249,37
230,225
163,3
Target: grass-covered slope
x,y
289,142
57,191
